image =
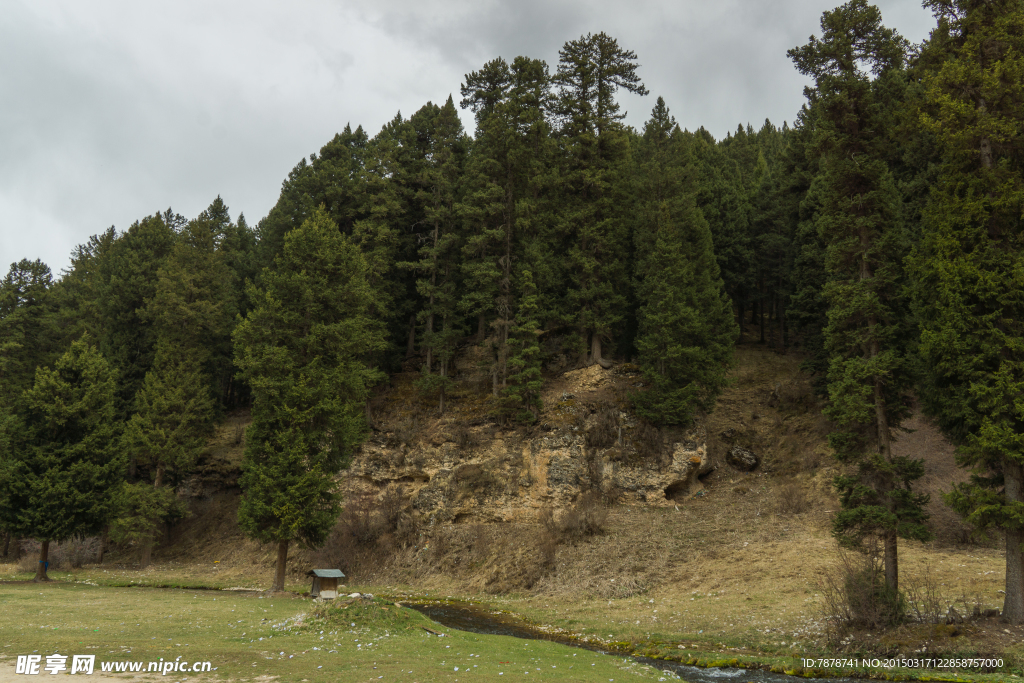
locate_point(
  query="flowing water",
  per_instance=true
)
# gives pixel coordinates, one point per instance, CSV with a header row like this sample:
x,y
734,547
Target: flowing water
x,y
478,619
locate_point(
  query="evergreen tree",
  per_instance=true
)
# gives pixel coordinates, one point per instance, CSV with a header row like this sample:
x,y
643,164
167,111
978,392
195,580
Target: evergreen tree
x,y
520,399
969,266
437,267
302,349
128,274
866,335
330,178
78,293
193,307
808,310
28,326
173,418
593,210
505,181
685,325
59,477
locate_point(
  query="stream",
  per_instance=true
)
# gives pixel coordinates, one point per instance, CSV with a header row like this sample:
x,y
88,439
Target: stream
x,y
478,619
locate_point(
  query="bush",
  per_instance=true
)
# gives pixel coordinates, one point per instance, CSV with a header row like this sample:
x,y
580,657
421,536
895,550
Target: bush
x,y
791,499
647,441
69,554
604,432
855,596
585,518
369,527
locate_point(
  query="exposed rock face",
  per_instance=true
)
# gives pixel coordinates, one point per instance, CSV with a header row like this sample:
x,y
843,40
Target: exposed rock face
x,y
742,459
462,467
509,478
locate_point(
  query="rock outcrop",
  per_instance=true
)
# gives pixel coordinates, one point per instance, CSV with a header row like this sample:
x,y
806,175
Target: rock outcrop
x,y
742,459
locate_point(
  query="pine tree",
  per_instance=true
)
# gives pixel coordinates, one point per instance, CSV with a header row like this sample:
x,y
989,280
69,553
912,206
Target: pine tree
x,y
28,326
60,476
193,307
78,293
173,418
969,266
686,329
128,274
593,212
329,178
302,348
520,399
504,182
437,267
866,335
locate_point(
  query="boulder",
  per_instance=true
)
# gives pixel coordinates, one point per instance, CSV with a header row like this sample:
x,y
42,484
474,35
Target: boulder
x,y
742,459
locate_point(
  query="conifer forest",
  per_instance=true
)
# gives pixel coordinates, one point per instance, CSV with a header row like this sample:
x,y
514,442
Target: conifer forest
x,y
878,236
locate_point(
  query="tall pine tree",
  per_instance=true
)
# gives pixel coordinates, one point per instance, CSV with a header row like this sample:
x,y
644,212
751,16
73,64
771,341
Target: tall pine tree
x,y
302,348
685,329
60,476
970,264
866,334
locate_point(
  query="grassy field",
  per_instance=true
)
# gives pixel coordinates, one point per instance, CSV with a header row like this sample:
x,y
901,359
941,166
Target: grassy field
x,y
251,636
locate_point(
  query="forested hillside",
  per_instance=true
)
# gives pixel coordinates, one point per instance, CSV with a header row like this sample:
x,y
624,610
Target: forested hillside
x,y
879,235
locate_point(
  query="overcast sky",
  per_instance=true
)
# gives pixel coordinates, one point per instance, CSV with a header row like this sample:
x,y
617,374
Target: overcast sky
x,y
111,111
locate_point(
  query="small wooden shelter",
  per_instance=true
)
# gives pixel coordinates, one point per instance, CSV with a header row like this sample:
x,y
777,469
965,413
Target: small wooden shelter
x,y
325,583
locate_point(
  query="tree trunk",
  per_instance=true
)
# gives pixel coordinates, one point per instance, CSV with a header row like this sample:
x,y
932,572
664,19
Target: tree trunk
x,y
742,308
1013,604
892,562
595,348
146,555
7,543
147,546
760,317
444,373
481,327
282,561
104,538
410,345
782,326
44,561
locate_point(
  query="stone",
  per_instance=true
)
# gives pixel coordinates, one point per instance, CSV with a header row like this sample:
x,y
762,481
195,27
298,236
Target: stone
x,y
742,459
531,470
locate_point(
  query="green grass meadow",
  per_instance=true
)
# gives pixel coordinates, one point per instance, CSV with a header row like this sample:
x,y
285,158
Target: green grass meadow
x,y
250,636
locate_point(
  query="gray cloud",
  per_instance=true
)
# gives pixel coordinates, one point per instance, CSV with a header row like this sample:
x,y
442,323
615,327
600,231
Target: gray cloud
x,y
114,110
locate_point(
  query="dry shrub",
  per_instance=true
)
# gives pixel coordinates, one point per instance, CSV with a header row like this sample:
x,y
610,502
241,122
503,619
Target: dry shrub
x,y
927,604
647,441
369,529
795,397
517,561
604,432
475,479
464,437
405,430
854,596
69,554
586,518
791,499
493,559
